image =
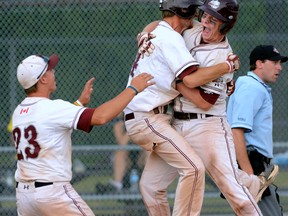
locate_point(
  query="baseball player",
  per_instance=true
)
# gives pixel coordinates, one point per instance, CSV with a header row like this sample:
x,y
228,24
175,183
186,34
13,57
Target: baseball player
x,y
149,126
200,114
42,134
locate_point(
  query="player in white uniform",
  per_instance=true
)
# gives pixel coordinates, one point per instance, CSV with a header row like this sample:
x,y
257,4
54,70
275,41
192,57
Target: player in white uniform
x,y
200,113
149,126
42,134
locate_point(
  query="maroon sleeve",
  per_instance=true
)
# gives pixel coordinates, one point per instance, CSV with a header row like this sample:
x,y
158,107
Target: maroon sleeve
x,y
84,122
188,71
210,97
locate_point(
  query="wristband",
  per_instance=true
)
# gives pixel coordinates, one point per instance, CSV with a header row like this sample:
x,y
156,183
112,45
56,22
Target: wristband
x,y
133,88
78,103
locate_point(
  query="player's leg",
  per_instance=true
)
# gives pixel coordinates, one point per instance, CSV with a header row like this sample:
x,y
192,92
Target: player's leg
x,y
25,200
251,182
176,152
61,199
50,200
211,138
141,160
156,177
228,177
191,183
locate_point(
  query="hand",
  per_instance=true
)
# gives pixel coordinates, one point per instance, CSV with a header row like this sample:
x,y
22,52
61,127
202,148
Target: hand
x,y
230,87
233,62
87,91
142,81
145,47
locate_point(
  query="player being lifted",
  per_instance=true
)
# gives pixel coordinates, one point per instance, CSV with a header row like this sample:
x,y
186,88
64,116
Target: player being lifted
x,y
42,134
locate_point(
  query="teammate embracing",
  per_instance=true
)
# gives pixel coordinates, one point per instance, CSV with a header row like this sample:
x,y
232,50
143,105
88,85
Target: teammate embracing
x,y
200,113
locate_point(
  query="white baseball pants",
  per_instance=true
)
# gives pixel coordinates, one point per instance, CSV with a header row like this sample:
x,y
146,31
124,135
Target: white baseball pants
x,y
212,140
56,199
171,155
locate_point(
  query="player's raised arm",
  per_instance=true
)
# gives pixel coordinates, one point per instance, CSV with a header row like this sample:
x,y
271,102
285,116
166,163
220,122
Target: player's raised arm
x,y
205,75
109,110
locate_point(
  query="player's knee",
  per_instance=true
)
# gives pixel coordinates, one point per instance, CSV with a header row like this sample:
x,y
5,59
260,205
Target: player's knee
x,y
145,188
152,192
201,169
201,173
197,171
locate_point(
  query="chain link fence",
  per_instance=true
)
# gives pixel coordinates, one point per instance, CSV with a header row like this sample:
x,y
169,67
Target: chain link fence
x,y
98,38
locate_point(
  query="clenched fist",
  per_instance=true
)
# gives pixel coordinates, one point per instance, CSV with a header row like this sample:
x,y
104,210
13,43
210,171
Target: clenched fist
x,y
145,47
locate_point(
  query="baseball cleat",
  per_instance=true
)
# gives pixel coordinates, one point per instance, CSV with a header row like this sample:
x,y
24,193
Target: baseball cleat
x,y
266,178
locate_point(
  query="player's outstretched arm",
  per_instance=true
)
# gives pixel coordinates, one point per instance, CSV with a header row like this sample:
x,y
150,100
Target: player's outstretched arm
x,y
208,74
85,96
109,110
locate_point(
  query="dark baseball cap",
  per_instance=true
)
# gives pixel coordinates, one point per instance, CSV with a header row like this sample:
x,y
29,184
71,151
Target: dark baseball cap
x,y
266,52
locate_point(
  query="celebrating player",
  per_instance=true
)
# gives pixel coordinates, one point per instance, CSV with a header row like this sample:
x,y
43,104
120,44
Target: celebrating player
x,y
42,134
200,113
149,126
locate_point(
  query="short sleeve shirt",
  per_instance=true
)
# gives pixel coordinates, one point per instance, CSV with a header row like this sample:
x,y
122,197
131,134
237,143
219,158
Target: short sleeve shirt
x,y
42,130
169,59
207,54
250,107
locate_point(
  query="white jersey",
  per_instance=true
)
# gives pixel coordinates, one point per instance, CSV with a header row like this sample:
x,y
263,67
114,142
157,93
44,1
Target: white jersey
x,y
42,130
207,55
170,58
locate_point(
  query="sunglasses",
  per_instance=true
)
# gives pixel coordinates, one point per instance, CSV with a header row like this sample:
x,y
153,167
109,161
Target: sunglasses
x,y
46,60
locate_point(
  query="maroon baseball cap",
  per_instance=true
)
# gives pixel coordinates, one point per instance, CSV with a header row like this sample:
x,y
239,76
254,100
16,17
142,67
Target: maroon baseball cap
x,y
266,52
53,61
